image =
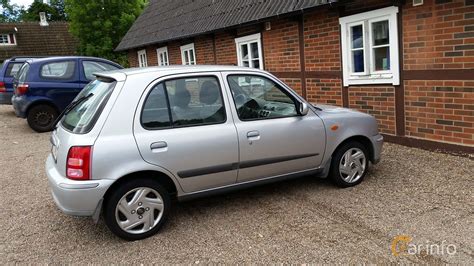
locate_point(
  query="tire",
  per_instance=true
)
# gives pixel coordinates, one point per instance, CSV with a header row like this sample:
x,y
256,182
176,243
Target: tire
x,y
144,216
41,118
349,164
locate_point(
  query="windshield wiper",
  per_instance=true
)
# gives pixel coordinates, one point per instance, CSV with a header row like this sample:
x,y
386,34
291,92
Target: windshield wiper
x,y
71,106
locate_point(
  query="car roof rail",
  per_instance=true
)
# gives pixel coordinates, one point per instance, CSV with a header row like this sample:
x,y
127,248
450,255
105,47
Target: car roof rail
x,y
25,57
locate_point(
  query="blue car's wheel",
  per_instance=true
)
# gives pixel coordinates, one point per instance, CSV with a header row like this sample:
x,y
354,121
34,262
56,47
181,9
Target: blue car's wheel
x,y
41,118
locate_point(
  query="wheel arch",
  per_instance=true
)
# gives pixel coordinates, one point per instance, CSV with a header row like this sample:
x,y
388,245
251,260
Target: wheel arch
x,y
41,102
361,139
161,177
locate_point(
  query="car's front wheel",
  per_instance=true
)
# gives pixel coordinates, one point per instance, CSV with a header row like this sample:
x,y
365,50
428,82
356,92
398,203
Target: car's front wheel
x,y
137,209
41,118
349,164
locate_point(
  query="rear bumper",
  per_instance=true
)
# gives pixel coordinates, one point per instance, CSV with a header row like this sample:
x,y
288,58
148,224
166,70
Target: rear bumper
x,y
6,97
20,104
377,144
78,198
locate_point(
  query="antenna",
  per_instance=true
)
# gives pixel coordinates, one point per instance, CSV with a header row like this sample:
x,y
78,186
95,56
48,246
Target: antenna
x,y
43,20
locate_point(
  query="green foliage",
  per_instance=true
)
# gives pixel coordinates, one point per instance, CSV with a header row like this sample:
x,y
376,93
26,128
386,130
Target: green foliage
x,y
54,12
9,12
101,24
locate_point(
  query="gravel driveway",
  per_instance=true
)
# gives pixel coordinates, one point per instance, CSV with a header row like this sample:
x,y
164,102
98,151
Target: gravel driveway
x,y
426,196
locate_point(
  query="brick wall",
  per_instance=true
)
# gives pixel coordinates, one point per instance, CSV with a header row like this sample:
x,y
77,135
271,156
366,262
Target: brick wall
x,y
225,49
281,46
203,46
377,101
439,35
132,58
440,110
325,91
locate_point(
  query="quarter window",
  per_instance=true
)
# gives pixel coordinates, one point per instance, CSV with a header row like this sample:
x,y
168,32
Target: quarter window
x,y
162,55
257,97
249,51
58,70
142,60
182,102
370,47
188,55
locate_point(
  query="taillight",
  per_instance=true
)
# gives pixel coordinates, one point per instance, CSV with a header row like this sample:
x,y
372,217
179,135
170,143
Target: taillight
x,y
2,87
21,89
78,163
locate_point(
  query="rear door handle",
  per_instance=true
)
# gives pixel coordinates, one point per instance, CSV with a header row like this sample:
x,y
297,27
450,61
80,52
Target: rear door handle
x,y
159,146
253,135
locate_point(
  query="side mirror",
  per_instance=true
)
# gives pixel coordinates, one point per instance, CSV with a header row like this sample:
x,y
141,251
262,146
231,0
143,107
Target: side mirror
x,y
303,109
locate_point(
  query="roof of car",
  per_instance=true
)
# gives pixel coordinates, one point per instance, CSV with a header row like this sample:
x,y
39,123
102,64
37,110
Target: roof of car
x,y
120,74
45,59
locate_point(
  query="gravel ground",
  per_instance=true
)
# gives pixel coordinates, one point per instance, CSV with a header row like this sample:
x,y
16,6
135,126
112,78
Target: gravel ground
x,y
427,196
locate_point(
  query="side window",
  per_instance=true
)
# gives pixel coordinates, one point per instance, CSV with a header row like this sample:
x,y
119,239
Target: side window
x,y
91,67
189,101
58,70
155,112
257,97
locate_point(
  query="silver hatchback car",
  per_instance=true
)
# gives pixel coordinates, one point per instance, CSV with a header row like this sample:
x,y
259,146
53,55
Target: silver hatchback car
x,y
135,139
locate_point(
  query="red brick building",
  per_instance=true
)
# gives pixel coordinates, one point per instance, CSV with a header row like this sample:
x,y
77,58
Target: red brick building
x,y
408,63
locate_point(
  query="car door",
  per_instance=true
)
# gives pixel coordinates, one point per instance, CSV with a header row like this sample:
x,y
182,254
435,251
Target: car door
x,y
59,81
184,125
273,138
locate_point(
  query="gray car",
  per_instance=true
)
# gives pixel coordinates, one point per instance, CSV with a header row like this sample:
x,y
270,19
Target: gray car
x,y
136,139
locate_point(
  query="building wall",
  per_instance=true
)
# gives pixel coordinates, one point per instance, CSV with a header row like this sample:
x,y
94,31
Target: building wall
x,y
435,100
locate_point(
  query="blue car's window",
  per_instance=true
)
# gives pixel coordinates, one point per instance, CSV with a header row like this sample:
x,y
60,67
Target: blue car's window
x,y
23,73
82,118
58,70
12,69
91,67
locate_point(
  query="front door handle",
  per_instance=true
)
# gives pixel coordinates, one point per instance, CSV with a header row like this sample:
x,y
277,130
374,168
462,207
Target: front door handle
x,y
159,146
253,135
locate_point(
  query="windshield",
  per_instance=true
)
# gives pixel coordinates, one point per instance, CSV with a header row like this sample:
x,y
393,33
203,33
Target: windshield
x,y
82,117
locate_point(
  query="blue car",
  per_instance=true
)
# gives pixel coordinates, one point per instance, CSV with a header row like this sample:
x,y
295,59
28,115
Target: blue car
x,y
44,87
8,69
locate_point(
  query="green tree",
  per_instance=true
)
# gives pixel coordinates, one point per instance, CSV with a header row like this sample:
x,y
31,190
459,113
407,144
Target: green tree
x,y
9,12
54,12
101,24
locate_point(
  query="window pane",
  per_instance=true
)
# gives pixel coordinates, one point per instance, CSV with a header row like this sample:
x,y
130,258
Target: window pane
x,y
245,52
12,69
195,101
58,70
191,55
357,37
4,38
246,63
380,33
358,61
186,57
254,50
256,63
165,58
155,112
382,58
259,98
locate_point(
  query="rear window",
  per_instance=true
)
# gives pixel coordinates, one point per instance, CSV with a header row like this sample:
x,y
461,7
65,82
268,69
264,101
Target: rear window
x,y
91,67
81,119
12,69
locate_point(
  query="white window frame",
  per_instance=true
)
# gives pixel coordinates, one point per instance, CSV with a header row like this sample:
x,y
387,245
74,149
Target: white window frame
x,y
8,39
370,76
190,49
163,52
142,59
247,40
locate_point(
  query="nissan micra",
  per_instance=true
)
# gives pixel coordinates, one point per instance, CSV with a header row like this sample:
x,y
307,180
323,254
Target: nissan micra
x,y
136,139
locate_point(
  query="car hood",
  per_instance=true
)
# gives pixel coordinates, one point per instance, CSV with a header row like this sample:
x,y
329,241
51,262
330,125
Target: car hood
x,y
333,109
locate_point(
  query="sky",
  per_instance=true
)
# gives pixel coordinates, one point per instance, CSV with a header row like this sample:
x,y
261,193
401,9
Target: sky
x,y
25,3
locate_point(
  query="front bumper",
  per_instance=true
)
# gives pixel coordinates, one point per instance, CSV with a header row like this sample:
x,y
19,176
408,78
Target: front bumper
x,y
78,198
377,143
6,97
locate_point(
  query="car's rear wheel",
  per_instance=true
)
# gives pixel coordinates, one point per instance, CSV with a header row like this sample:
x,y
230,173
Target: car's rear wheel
x,y
349,164
137,209
41,118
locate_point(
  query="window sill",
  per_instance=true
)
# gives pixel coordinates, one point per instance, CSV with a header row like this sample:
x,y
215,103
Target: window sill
x,y
369,80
